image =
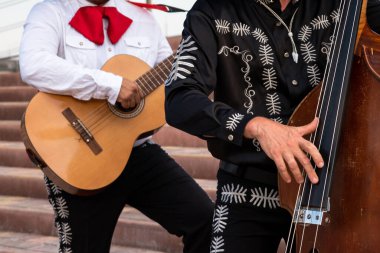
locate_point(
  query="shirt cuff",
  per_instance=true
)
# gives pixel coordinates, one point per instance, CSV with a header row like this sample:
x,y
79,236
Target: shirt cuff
x,y
108,86
234,126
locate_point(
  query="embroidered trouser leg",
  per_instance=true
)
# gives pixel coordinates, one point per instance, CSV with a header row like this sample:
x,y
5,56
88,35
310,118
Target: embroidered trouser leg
x,y
151,182
247,217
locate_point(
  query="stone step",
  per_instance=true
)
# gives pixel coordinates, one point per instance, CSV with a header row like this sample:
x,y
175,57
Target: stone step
x,y
10,130
166,136
23,182
11,242
12,110
35,216
17,93
27,182
13,154
8,78
170,136
198,162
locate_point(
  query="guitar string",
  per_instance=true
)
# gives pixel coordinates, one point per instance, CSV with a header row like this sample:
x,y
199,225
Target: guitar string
x,y
101,114
98,117
100,126
95,128
87,119
297,209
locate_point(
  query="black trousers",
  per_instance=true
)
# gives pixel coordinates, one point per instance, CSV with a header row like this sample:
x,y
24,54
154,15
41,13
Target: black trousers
x,y
247,217
153,183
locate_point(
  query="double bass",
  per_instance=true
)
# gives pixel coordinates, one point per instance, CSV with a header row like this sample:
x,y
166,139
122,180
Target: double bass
x,y
341,214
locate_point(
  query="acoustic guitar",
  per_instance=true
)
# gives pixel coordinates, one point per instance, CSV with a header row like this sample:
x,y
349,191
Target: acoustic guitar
x,y
83,146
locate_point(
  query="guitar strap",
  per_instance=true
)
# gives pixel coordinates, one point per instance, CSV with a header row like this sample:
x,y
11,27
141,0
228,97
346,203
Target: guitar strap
x,y
161,7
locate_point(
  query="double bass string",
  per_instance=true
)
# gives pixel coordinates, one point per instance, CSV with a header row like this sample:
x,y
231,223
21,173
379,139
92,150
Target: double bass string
x,y
294,223
351,44
312,138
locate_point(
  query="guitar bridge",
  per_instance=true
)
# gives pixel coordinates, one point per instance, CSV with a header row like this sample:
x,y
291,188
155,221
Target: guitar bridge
x,y
82,130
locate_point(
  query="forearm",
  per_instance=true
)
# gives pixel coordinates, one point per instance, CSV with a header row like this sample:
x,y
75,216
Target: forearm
x,y
50,73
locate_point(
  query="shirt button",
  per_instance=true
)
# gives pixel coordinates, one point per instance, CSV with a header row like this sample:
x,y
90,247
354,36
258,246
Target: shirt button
x,y
286,55
139,43
294,82
80,43
230,137
109,49
278,23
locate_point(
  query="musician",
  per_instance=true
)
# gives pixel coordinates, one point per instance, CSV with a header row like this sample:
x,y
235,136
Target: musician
x,y
259,58
62,51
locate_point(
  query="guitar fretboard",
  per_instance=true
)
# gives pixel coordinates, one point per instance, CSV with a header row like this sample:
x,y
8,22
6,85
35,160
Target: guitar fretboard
x,y
155,77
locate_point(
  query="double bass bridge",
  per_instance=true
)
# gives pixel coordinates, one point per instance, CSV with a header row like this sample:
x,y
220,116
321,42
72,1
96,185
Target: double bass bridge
x,y
312,216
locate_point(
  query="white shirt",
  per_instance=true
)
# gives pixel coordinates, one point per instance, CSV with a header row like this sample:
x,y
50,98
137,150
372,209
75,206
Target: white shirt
x,y
56,58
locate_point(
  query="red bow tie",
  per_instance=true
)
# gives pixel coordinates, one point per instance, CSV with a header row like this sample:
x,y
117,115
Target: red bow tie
x,y
89,22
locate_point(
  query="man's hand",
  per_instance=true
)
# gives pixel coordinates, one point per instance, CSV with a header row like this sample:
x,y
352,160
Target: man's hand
x,y
130,94
286,146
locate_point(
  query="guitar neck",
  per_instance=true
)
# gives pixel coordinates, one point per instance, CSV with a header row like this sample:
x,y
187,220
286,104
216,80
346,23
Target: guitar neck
x,y
155,77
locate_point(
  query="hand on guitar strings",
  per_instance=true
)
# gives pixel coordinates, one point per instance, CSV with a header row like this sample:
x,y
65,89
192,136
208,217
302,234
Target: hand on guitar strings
x,y
130,94
287,147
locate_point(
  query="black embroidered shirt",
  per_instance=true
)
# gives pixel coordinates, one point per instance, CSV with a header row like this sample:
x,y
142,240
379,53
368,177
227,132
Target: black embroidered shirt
x,y
240,51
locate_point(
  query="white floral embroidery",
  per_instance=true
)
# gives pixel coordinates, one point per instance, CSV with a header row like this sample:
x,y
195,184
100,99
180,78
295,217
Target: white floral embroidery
x,y
266,54
220,219
335,16
64,232
260,198
256,143
182,63
326,48
320,22
246,57
217,244
308,52
47,185
66,250
273,103
279,120
265,1
260,36
231,194
314,75
241,29
61,207
305,33
270,78
51,188
233,121
61,212
222,26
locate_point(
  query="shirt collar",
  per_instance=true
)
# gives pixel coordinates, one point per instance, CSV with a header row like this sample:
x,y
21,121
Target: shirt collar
x,y
276,6
86,3
269,2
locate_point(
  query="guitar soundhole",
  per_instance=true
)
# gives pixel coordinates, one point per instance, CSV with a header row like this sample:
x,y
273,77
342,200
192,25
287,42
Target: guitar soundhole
x,y
122,109
122,112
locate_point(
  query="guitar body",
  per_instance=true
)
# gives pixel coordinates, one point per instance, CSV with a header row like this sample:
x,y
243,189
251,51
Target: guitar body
x,y
67,159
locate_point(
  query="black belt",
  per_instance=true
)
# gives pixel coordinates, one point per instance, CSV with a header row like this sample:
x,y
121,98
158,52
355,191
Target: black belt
x,y
250,173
